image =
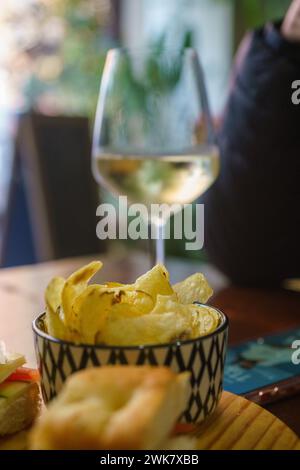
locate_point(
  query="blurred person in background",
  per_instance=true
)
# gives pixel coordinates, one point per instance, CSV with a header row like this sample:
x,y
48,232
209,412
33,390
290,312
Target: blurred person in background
x,y
252,211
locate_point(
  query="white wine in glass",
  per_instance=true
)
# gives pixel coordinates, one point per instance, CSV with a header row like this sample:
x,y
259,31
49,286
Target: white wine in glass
x,y
153,136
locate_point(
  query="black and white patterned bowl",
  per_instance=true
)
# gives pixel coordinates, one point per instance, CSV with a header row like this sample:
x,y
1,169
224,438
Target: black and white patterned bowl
x,y
204,357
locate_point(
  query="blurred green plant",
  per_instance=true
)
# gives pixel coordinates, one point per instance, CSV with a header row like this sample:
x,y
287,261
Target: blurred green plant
x,y
79,57
53,52
159,74
260,11
255,13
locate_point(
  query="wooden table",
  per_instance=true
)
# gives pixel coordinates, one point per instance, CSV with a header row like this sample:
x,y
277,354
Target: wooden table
x,y
252,312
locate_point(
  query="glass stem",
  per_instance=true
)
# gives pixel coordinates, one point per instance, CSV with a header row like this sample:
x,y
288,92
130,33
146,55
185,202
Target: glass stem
x,y
159,230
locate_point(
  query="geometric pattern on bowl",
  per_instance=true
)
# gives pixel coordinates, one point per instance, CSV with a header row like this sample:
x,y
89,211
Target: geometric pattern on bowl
x,y
204,357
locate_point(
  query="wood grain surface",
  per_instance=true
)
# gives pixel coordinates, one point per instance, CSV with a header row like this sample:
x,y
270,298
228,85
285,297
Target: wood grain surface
x,y
239,424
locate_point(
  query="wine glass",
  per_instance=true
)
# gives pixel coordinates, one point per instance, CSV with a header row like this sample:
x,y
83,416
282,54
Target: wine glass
x,y
153,135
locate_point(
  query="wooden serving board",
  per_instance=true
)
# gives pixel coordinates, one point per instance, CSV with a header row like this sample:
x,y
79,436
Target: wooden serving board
x,y
237,424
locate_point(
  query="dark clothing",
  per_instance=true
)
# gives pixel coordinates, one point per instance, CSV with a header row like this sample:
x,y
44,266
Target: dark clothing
x,y
252,213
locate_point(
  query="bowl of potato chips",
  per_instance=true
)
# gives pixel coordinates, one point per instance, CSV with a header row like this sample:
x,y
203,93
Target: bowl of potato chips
x,y
148,322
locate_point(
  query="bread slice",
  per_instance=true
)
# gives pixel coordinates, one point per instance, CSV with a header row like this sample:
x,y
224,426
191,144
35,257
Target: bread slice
x,y
20,409
113,407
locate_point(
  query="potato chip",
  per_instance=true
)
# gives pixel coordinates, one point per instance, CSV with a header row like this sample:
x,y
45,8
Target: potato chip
x,y
168,303
90,311
115,284
74,286
142,301
205,320
118,313
144,329
129,295
54,325
93,306
124,310
154,282
194,288
149,311
53,293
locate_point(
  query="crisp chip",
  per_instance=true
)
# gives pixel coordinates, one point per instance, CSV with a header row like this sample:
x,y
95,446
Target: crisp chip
x,y
116,284
144,329
54,325
194,288
205,320
124,310
142,301
53,293
154,282
168,303
149,311
74,286
90,310
127,294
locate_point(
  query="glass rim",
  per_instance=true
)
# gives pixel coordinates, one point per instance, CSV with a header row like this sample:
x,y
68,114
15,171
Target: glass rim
x,y
141,50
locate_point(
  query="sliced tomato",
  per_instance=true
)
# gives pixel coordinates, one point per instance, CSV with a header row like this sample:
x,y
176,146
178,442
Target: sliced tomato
x,y
183,428
24,374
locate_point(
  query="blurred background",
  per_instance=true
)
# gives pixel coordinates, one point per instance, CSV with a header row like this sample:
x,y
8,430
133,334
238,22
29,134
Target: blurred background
x,y
51,58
